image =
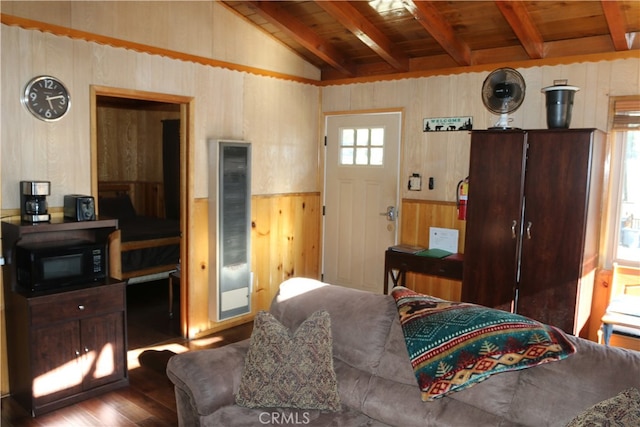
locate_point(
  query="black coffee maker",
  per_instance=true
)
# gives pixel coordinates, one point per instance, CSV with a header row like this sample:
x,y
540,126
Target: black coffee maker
x,y
33,201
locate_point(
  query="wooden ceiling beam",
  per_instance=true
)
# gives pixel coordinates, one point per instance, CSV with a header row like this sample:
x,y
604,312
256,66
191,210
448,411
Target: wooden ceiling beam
x,y
271,11
519,20
617,26
426,13
366,31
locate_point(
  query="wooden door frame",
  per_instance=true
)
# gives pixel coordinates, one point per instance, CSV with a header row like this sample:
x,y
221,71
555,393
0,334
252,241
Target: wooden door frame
x,y
186,177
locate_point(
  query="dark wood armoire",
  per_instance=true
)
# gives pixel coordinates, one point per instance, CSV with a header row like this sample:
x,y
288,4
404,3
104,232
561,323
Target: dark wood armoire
x,y
533,220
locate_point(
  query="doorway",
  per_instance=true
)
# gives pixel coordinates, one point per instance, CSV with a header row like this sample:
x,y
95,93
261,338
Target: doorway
x,y
361,197
129,133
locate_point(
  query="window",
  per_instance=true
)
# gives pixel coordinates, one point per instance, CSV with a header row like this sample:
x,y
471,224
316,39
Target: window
x,y
626,179
362,146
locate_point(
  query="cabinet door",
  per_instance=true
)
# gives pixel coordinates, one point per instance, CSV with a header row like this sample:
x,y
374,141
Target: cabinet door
x,y
556,197
103,349
56,359
496,182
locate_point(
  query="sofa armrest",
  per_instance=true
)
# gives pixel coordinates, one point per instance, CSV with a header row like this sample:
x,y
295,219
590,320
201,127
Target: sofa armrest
x,y
207,379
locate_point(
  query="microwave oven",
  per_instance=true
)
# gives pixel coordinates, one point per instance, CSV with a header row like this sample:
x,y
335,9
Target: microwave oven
x,y
55,264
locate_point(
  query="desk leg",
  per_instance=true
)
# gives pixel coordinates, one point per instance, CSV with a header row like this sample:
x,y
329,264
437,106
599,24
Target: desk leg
x,y
396,277
386,281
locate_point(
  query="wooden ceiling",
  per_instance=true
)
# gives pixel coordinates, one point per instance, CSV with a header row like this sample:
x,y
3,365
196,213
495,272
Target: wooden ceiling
x,y
369,39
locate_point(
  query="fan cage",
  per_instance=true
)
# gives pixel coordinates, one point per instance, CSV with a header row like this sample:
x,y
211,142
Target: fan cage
x,y
506,77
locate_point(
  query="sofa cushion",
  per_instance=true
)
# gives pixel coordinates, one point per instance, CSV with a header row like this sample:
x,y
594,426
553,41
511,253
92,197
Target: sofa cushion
x,y
360,321
290,370
594,373
620,410
455,345
208,378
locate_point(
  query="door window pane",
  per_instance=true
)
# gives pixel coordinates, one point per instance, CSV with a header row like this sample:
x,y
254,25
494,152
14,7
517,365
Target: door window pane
x,y
362,146
377,136
347,137
363,136
346,156
376,156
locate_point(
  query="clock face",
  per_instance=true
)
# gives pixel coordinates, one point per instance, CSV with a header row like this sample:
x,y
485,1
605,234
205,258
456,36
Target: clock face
x,y
46,98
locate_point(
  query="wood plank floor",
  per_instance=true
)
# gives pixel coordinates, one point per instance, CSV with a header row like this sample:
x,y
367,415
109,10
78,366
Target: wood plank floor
x,y
149,399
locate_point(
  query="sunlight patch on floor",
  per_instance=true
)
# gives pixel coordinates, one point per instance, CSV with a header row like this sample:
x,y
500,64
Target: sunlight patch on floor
x,y
132,355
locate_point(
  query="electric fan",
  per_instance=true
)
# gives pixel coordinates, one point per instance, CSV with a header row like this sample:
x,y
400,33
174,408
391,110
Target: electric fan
x,y
502,93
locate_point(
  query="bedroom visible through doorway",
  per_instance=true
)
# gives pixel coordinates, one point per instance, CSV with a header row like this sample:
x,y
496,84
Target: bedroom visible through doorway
x,y
138,141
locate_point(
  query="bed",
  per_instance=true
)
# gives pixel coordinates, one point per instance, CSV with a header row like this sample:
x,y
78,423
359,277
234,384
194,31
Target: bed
x,y
143,248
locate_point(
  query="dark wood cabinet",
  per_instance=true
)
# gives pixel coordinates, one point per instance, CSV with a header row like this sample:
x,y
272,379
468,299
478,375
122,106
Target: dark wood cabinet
x,y
67,344
79,350
533,218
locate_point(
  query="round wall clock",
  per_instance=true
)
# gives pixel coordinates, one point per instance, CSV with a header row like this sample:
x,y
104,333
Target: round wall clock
x,y
46,98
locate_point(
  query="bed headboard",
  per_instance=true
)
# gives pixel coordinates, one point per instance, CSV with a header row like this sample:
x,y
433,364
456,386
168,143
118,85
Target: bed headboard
x,y
115,189
115,199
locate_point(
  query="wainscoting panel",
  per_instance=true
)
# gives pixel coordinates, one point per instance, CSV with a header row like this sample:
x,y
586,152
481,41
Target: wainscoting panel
x,y
416,216
285,241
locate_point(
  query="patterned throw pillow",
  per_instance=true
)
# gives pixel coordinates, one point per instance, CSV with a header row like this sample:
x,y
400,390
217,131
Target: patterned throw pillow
x,y
290,370
454,345
620,410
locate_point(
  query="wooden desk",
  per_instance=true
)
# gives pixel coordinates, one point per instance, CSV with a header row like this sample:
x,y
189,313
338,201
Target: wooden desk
x,y
449,267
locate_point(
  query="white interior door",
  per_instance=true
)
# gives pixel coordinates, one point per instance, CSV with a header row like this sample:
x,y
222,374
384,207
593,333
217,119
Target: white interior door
x,y
361,186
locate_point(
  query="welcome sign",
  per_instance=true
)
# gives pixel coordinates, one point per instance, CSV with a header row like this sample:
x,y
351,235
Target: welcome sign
x,y
447,124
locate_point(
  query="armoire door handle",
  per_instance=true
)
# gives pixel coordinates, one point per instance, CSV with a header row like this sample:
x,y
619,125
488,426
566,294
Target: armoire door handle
x,y
529,229
513,229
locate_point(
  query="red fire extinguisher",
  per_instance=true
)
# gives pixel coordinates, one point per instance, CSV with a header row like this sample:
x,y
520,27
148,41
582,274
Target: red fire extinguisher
x,y
462,195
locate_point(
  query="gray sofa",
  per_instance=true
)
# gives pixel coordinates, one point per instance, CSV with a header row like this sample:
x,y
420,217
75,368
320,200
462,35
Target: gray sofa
x,y
376,383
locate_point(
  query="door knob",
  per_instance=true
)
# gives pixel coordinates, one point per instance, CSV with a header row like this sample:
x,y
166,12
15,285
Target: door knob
x,y
390,213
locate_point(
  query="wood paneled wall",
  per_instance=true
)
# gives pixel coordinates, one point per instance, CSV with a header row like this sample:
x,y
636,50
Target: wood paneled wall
x,y
129,143
416,217
285,243
445,155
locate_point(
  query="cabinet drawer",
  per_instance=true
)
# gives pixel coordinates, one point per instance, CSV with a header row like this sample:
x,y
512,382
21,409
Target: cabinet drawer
x,y
76,304
447,269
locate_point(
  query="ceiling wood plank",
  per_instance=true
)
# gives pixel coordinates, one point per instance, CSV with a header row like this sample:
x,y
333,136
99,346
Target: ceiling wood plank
x,y
518,17
366,31
303,35
615,21
426,13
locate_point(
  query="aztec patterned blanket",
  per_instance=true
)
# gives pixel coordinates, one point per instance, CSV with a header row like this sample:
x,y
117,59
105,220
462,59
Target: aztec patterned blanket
x,y
454,345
